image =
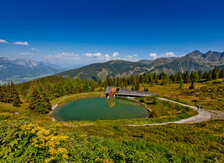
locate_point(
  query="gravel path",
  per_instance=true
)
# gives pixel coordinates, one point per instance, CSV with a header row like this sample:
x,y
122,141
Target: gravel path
x,y
200,117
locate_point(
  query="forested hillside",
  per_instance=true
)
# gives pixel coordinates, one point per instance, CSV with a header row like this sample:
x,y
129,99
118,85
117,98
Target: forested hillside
x,y
193,61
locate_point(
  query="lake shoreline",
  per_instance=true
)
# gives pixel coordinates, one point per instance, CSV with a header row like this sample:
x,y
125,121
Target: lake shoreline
x,y
128,115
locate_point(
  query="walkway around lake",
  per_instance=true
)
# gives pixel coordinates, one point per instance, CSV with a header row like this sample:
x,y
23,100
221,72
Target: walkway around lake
x,y
202,116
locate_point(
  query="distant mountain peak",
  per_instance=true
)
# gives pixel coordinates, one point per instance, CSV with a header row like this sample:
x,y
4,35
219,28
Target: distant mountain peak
x,y
4,59
26,62
195,53
21,70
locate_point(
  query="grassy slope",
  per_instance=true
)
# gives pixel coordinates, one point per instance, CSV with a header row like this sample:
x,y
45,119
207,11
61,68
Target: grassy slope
x,y
211,98
113,140
172,143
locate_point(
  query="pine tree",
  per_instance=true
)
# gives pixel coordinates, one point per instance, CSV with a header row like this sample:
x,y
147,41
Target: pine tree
x,y
215,73
200,74
41,107
222,74
34,99
187,77
10,91
59,91
192,85
152,83
181,85
39,103
179,77
209,77
155,100
137,86
16,99
47,102
1,94
156,79
85,87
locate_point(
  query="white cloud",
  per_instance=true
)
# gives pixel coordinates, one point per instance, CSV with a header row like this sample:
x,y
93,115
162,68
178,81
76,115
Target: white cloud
x,y
64,56
35,49
98,56
131,58
21,43
154,55
93,54
106,57
167,55
3,41
26,54
115,54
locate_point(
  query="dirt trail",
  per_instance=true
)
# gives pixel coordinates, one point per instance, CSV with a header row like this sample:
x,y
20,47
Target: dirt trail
x,y
200,117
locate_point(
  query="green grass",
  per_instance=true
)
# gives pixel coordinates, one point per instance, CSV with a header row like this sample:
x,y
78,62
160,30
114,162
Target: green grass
x,y
172,143
113,140
201,142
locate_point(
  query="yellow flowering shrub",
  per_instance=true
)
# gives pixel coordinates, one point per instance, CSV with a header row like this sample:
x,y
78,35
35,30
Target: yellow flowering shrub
x,y
46,139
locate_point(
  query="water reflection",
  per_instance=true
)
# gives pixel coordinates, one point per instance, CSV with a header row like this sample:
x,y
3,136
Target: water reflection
x,y
111,102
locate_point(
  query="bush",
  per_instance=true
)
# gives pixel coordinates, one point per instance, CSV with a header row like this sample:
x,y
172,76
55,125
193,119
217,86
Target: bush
x,y
28,142
155,100
153,114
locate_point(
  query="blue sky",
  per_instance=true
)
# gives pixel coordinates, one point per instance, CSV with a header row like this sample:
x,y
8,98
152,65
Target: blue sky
x,y
70,32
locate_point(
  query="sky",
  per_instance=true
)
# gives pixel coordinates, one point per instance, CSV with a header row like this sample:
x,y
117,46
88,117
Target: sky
x,y
79,32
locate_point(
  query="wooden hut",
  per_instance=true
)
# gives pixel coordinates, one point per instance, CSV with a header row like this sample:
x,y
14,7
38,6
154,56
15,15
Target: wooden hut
x,y
117,91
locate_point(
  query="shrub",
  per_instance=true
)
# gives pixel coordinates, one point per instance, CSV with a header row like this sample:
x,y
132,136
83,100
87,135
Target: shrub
x,y
155,100
23,142
153,114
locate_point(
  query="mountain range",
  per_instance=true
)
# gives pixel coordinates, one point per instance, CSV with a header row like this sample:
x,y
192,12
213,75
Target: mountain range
x,y
193,61
21,70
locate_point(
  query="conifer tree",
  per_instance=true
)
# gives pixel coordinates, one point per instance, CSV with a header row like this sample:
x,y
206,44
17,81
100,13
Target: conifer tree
x,y
200,74
1,93
187,77
192,85
137,86
34,99
215,73
152,83
85,87
179,77
47,102
221,74
59,91
39,103
209,77
16,99
156,79
181,85
10,91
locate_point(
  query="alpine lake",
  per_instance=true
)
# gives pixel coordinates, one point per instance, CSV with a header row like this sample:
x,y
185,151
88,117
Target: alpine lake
x,y
99,108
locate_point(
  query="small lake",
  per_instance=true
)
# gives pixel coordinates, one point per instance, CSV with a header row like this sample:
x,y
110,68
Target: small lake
x,y
99,108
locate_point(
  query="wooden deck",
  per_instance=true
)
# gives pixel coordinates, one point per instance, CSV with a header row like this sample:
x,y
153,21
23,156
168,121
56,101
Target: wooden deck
x,y
117,91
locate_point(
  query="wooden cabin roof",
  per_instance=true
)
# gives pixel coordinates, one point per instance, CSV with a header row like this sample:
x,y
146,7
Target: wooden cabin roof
x,y
127,92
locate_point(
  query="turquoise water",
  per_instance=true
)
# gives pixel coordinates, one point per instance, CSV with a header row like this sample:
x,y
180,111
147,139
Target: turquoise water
x,y
100,108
